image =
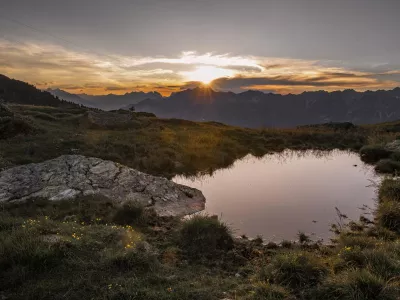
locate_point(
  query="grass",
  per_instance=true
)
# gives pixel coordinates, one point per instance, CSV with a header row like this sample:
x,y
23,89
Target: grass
x,y
374,153
163,147
388,212
387,166
129,213
204,236
91,248
389,190
297,270
356,285
388,215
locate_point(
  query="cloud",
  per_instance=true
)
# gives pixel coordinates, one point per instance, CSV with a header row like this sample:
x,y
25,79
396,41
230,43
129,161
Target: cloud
x,y
48,65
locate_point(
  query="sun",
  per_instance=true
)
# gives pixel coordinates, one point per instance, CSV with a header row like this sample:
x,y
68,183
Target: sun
x,y
206,74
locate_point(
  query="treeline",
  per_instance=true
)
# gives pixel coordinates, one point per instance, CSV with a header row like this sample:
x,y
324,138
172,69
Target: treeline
x,y
19,92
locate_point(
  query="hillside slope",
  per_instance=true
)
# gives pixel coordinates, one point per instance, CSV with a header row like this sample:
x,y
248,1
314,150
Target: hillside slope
x,y
19,92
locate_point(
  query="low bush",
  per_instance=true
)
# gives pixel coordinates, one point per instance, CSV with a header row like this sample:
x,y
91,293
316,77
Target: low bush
x,y
389,190
129,213
381,263
13,126
374,153
204,236
387,166
303,238
297,270
395,156
388,215
23,254
381,233
141,258
355,285
286,244
353,241
266,291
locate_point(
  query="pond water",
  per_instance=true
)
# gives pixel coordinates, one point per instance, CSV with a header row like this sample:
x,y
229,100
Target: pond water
x,y
281,194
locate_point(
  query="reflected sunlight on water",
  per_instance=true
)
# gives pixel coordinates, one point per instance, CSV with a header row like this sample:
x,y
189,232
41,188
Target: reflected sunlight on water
x,y
280,194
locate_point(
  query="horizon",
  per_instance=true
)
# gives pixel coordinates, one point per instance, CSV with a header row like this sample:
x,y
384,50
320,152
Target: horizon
x,y
283,47
217,91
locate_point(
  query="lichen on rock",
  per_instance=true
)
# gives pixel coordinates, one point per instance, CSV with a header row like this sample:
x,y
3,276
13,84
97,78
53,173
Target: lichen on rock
x,y
70,176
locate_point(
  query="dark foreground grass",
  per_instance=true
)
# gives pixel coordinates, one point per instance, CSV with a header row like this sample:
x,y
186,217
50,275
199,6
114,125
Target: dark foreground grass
x,y
92,248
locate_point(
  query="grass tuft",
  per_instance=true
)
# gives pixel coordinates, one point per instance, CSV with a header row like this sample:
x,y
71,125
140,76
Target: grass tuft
x,y
388,215
356,285
297,270
266,291
373,153
389,190
129,213
387,166
204,236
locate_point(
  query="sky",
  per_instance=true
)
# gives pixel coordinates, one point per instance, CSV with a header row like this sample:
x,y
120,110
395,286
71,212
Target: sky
x,y
282,46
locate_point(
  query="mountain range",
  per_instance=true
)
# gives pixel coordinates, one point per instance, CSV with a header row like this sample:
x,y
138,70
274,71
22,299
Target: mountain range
x,y
248,109
258,109
105,102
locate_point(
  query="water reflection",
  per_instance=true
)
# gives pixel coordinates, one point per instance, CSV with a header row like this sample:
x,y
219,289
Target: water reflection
x,y
282,193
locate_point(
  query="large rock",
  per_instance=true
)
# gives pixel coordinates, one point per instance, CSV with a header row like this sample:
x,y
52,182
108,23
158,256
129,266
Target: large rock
x,y
70,176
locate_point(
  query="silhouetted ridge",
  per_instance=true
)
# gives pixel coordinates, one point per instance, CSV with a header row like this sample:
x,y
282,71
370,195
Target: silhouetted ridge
x,y
107,102
258,109
15,91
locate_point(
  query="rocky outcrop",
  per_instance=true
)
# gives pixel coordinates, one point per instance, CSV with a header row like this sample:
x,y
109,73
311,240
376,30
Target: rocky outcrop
x,y
4,110
114,119
71,176
393,146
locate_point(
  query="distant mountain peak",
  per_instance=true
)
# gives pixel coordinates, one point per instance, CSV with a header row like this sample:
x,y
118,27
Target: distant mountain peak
x,y
106,102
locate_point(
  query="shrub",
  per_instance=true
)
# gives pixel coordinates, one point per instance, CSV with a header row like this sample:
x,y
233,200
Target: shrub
x,y
389,190
387,166
129,213
204,236
297,270
142,258
354,241
382,233
145,114
380,262
395,156
12,126
373,153
272,245
286,244
303,238
388,215
356,284
25,248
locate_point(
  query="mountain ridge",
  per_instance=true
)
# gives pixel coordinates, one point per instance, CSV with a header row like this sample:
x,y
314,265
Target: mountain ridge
x,y
250,108
105,102
258,109
19,92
